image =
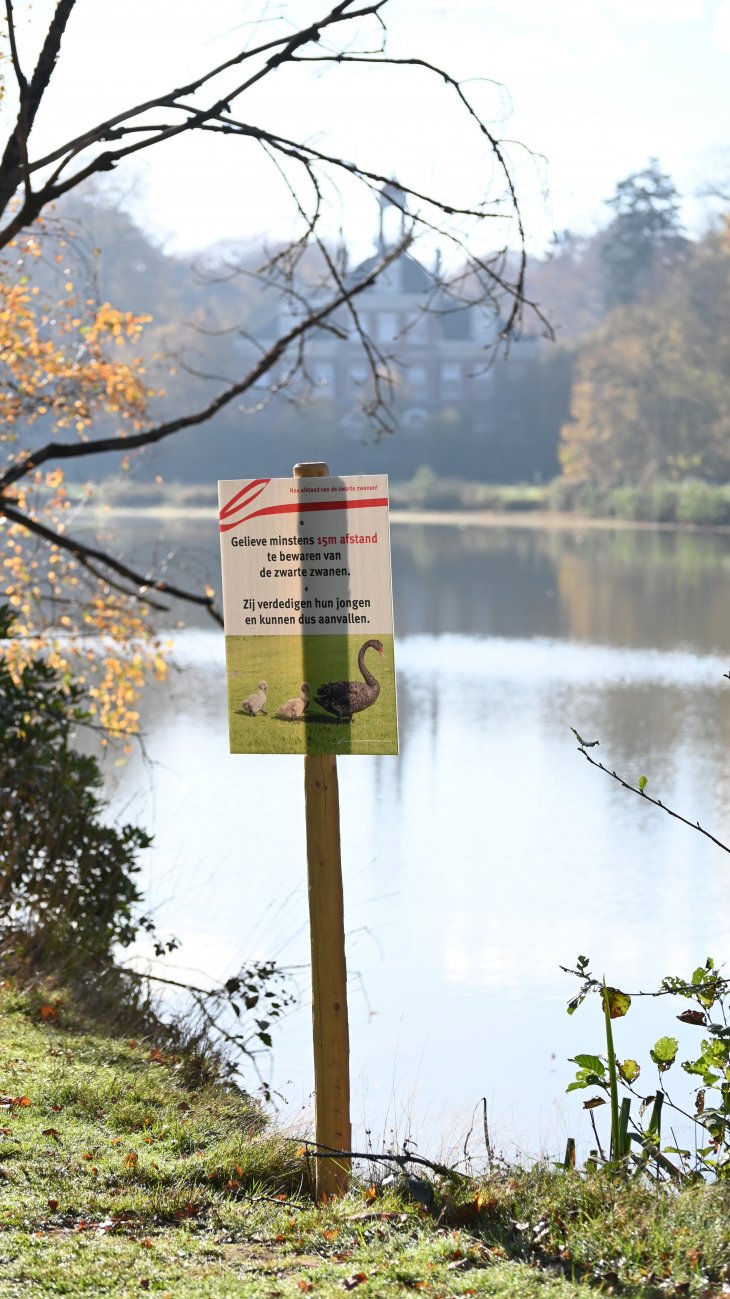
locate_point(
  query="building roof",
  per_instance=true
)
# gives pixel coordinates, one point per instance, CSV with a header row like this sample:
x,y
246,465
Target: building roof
x,y
412,276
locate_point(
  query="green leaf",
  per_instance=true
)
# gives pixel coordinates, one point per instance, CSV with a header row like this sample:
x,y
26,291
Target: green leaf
x,y
592,1062
705,1072
664,1052
587,1078
643,782
618,1002
629,1070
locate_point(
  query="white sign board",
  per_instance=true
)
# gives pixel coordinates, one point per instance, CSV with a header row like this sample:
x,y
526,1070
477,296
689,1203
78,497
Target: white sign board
x,y
308,615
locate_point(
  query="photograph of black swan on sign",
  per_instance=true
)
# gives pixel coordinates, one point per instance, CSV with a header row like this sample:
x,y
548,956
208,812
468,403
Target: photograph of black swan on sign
x,y
308,615
343,698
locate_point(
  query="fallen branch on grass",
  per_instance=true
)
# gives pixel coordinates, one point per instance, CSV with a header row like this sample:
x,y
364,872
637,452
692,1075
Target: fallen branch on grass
x,y
319,1151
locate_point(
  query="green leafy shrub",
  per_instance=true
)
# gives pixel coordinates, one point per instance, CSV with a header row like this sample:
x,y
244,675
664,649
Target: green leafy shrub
x,y
67,884
629,502
664,498
708,1154
702,503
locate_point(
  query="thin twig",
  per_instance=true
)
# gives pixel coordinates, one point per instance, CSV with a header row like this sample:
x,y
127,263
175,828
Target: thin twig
x,y
641,793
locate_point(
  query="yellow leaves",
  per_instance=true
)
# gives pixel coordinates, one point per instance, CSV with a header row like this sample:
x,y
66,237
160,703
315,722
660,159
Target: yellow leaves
x,y
67,363
49,373
106,641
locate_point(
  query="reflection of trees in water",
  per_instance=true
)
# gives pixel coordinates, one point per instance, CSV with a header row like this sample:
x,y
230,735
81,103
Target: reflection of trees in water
x,y
622,587
637,589
473,580
672,734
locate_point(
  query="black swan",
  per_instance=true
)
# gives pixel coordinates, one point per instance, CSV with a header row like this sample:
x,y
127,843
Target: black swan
x,y
343,698
256,702
293,709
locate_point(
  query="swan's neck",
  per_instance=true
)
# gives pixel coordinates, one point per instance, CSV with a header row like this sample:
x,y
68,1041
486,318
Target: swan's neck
x,y
361,664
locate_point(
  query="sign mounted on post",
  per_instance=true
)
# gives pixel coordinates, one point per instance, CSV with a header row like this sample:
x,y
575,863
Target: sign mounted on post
x,y
308,615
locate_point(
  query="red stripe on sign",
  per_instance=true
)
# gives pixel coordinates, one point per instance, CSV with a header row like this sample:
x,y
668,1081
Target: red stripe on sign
x,y
238,503
305,507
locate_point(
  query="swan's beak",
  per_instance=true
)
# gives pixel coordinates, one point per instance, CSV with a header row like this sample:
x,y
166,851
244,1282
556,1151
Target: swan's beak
x,y
381,652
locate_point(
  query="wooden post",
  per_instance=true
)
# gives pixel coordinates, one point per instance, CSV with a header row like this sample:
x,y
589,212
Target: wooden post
x,y
329,972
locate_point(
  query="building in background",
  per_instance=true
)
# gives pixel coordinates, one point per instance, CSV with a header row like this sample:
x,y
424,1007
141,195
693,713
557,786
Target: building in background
x,y
446,373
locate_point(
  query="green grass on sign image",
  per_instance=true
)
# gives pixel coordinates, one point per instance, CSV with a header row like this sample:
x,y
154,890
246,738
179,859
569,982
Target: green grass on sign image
x,y
329,665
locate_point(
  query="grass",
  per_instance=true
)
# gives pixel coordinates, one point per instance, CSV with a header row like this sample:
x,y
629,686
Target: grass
x,y
284,662
118,1178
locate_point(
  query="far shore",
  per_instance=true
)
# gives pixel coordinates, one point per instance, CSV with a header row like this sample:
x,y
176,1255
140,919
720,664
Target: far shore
x,y
533,519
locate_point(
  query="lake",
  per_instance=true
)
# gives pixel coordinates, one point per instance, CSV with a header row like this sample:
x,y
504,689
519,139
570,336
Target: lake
x,y
489,853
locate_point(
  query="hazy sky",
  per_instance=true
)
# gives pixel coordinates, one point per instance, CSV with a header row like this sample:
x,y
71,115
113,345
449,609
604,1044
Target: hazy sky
x,y
592,87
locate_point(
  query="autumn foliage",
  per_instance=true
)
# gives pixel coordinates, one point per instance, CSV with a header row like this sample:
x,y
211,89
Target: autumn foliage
x,y
650,399
68,362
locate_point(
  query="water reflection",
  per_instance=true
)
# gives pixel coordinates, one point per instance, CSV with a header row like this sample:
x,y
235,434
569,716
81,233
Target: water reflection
x,y
489,853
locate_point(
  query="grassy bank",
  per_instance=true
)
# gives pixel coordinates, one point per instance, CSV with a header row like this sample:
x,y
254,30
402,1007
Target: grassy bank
x,y
691,503
120,1174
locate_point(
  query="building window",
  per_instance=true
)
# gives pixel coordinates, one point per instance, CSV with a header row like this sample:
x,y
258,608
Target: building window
x,y
386,327
414,419
416,330
416,381
452,385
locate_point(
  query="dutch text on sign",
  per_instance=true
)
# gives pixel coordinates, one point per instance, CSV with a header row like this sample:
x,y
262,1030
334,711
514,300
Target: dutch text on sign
x,y
308,615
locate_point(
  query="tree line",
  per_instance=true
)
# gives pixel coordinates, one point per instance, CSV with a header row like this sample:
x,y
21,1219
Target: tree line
x,y
632,390
648,346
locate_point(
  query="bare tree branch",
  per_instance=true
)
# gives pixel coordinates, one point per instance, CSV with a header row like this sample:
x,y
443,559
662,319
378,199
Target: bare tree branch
x,y
156,433
89,556
15,156
284,49
641,793
21,129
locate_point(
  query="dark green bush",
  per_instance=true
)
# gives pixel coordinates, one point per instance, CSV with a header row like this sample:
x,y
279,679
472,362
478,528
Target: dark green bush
x,y
66,878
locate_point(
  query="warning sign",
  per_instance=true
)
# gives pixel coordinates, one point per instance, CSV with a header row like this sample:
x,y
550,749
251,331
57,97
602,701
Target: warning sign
x,y
308,615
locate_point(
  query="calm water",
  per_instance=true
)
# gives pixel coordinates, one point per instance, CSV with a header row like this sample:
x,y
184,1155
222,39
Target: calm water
x,y
489,852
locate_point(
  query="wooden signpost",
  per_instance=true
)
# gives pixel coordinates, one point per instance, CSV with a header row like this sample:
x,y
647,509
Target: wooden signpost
x,y
307,598
330,1024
